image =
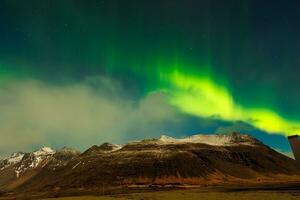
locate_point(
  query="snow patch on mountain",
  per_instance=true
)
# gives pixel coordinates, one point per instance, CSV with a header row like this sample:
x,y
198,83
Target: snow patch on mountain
x,y
216,140
44,151
116,147
33,160
40,155
108,147
11,160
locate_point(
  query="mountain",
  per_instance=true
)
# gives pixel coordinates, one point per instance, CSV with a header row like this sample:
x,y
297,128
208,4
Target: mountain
x,y
104,148
196,160
11,160
19,168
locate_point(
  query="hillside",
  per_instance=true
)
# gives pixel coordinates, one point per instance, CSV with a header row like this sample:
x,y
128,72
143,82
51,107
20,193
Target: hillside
x,y
199,160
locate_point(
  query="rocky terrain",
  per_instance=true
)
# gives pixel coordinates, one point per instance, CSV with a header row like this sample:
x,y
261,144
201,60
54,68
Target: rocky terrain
x,y
19,168
199,160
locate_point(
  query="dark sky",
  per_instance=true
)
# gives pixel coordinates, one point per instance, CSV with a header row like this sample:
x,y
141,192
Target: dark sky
x,y
243,53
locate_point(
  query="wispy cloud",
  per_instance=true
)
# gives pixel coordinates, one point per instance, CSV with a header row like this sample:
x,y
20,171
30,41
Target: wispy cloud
x,y
81,114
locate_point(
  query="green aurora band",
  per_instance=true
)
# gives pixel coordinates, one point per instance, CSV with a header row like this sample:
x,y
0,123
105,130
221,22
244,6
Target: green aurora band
x,y
201,95
193,90
217,66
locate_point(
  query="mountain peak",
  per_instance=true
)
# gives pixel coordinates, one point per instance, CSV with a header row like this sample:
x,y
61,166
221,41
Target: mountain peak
x,y
165,138
44,151
110,147
103,148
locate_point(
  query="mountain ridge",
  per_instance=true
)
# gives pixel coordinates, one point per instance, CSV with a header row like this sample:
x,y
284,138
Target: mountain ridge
x,y
196,160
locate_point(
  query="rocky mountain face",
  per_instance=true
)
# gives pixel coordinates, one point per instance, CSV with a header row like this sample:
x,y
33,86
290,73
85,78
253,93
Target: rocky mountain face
x,y
11,160
195,160
19,168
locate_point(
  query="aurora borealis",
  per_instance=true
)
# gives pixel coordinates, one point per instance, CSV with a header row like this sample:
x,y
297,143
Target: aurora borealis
x,y
203,97
75,73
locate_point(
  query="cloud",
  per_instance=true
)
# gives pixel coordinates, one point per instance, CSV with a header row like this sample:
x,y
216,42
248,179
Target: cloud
x,y
99,109
35,113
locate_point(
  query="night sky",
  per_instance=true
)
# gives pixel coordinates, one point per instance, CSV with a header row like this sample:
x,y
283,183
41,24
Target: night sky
x,y
77,73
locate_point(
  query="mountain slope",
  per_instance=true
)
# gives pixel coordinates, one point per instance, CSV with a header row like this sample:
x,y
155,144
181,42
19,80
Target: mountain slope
x,y
196,160
19,168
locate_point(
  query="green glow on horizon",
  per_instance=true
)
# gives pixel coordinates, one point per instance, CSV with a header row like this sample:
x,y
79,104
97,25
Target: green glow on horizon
x,y
7,73
202,96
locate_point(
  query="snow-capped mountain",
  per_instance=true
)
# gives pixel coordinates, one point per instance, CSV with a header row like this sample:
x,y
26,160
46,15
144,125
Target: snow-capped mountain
x,y
104,148
215,140
33,160
36,158
18,167
11,160
44,151
194,160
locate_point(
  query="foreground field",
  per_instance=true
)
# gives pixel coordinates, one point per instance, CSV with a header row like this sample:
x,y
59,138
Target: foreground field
x,y
195,195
